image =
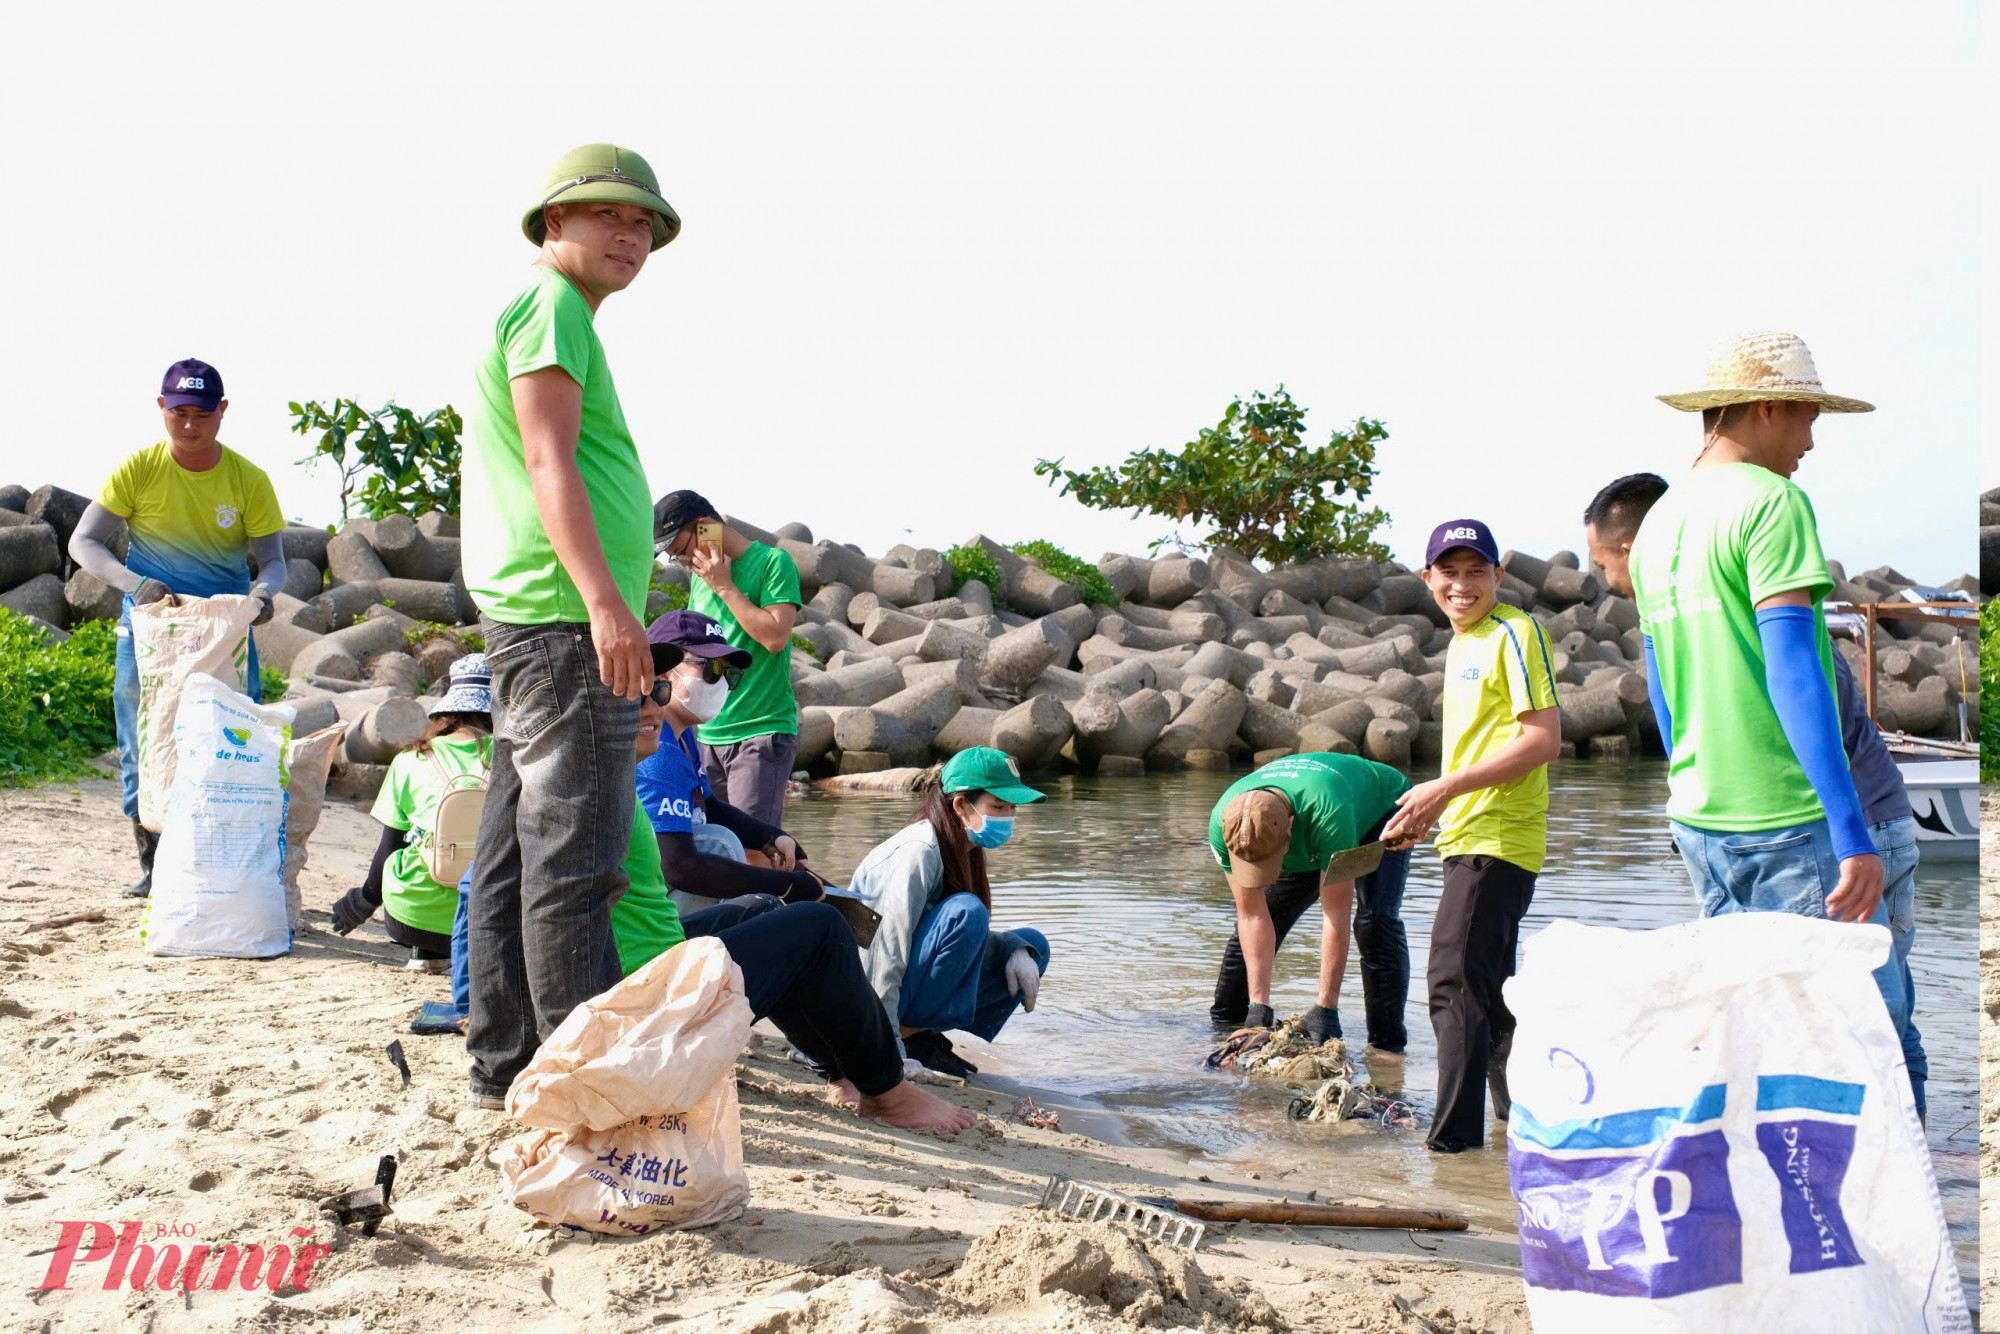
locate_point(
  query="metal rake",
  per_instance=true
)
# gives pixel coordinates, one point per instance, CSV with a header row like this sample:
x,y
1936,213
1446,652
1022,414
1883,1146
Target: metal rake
x,y
1072,1199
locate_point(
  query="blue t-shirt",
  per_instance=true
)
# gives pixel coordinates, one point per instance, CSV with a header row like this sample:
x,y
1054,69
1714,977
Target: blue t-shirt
x,y
672,782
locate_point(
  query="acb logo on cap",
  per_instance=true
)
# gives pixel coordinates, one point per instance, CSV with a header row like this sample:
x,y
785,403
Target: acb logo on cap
x,y
191,383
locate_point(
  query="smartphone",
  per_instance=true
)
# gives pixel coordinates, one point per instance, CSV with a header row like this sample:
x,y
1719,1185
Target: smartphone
x,y
708,533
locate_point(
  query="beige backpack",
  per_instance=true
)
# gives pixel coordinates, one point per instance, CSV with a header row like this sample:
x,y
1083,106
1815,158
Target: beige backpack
x,y
448,845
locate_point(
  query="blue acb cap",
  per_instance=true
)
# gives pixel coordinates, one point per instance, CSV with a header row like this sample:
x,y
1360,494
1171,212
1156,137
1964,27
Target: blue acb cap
x,y
1468,533
192,384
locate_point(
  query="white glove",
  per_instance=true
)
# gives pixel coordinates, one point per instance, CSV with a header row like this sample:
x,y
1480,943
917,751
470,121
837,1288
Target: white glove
x,y
1024,979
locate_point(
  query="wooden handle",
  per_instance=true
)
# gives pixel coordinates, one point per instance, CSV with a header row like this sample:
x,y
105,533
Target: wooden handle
x,y
1321,1215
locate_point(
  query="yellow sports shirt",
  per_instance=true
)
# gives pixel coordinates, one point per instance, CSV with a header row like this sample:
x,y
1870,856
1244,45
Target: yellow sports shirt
x,y
1494,673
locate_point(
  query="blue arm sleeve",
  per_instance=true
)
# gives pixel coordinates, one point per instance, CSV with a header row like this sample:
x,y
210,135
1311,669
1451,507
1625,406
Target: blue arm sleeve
x,y
1657,692
1804,702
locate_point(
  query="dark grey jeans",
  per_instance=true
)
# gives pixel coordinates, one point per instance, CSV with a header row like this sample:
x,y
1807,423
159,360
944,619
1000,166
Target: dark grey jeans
x,y
552,844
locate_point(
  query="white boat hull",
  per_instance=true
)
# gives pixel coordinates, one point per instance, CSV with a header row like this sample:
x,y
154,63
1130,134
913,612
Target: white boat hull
x,y
1944,795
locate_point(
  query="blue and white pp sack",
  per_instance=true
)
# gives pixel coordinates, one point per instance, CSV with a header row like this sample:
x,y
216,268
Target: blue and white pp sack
x,y
218,875
1712,1128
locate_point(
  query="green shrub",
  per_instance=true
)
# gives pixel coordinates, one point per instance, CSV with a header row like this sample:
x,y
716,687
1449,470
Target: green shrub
x,y
972,563
1078,573
55,699
676,595
424,631
1989,675
274,683
801,642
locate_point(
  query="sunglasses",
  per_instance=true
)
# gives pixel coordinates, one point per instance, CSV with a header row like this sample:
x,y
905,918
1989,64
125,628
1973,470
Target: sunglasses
x,y
712,670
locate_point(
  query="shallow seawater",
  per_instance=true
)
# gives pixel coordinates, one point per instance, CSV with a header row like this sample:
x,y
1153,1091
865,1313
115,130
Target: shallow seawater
x,y
1118,874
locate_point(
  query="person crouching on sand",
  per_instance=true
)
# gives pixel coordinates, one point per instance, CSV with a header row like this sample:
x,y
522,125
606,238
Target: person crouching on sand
x,y
935,962
417,910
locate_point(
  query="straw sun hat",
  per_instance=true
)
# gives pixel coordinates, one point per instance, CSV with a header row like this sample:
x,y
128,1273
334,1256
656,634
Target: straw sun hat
x,y
1762,366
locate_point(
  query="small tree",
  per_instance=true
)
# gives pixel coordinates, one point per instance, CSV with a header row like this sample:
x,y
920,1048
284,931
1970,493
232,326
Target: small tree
x,y
1268,494
415,458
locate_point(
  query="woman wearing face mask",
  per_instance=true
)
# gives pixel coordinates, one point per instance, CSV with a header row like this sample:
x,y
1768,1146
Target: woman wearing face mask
x,y
709,850
935,962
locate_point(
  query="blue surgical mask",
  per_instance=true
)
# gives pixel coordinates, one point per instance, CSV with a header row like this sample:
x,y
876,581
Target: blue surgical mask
x,y
992,832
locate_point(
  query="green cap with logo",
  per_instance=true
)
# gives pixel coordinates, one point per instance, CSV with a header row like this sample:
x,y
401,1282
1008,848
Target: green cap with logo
x,y
603,173
984,769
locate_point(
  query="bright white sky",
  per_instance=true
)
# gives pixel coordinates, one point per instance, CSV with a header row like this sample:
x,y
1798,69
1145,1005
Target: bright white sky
x,y
923,249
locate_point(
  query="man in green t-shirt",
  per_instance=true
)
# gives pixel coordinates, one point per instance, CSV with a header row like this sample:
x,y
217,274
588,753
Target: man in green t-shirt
x,y
1502,727
558,556
1273,833
1729,577
752,592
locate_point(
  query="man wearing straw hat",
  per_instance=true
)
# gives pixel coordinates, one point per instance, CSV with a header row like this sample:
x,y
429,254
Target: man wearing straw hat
x,y
1729,578
558,555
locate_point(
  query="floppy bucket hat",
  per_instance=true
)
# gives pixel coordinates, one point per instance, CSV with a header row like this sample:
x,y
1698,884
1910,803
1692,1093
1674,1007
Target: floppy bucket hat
x,y
1257,830
471,689
603,172
1758,367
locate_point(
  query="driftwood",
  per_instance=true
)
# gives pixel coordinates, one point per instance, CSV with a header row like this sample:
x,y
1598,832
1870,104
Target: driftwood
x,y
1316,1215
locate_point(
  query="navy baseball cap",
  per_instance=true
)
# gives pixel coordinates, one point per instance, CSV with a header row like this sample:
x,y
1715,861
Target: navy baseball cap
x,y
192,384
692,635
1468,533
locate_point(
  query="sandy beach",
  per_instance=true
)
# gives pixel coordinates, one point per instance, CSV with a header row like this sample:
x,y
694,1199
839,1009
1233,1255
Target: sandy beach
x,y
218,1100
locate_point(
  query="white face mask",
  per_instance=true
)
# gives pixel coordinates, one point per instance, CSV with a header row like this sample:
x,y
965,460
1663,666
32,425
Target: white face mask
x,y
702,699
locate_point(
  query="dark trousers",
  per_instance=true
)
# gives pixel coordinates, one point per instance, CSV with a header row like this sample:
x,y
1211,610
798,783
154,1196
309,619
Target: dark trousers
x,y
552,843
1473,943
751,775
428,944
718,918
801,969
1379,940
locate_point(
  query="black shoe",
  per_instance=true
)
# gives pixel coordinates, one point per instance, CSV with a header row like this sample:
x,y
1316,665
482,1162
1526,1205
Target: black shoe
x,y
149,843
932,1050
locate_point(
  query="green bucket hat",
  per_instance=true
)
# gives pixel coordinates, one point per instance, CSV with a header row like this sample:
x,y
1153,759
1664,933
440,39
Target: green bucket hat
x,y
603,172
984,769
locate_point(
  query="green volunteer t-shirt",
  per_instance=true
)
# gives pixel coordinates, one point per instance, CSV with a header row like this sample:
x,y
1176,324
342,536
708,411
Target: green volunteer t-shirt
x,y
644,921
408,800
511,568
762,703
1719,542
1494,673
1335,800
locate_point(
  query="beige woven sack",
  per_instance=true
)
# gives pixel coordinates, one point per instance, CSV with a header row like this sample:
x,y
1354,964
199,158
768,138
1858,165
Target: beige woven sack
x,y
171,639
306,764
635,1093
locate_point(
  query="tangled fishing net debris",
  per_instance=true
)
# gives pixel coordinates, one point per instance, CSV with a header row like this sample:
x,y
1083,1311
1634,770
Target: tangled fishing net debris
x,y
1340,1090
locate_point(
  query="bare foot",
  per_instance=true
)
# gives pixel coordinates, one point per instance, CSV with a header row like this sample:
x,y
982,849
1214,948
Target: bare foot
x,y
912,1108
842,1093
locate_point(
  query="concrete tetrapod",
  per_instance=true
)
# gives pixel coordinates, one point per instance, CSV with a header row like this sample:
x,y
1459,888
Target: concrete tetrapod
x,y
279,645
1015,659
27,550
1208,723
59,509
1033,732
942,641
1093,714
41,597
344,604
1173,581
91,599
970,726
903,725
1142,716
351,560
1269,726
867,681
963,676
423,600
815,735
886,625
407,552
384,730
1586,713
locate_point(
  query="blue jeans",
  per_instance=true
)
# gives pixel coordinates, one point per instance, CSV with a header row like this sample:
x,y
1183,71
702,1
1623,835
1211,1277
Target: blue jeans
x,y
1896,841
125,705
1788,870
553,835
461,972
957,972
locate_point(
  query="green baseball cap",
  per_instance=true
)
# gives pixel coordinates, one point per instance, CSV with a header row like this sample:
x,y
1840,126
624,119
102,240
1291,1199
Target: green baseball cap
x,y
609,173
984,769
